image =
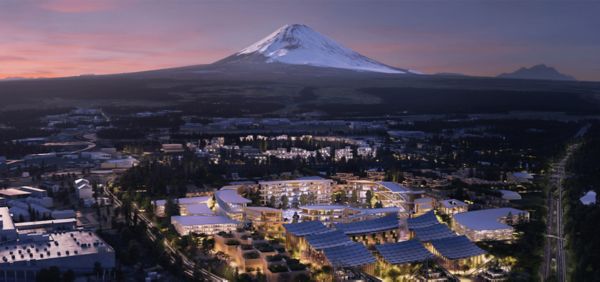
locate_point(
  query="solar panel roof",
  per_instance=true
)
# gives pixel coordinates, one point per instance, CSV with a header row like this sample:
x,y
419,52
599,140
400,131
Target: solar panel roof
x,y
433,232
350,255
327,239
404,252
369,226
421,221
305,228
457,247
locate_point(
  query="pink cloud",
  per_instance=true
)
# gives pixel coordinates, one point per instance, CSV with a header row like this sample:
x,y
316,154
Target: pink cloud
x,y
79,6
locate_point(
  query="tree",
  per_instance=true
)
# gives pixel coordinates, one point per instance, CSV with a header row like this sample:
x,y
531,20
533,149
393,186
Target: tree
x,y
284,202
68,276
171,208
304,199
51,274
272,201
369,197
354,197
295,217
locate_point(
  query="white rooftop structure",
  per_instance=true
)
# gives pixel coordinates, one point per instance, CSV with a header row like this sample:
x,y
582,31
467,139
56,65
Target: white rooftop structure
x,y
488,219
197,209
7,227
230,196
589,198
452,203
77,250
510,195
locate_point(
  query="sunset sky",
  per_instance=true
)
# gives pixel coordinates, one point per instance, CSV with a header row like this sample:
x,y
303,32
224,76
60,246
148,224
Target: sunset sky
x,y
63,38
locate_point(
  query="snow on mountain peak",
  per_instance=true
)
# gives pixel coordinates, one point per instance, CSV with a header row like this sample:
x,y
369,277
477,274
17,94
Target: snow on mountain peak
x,y
299,44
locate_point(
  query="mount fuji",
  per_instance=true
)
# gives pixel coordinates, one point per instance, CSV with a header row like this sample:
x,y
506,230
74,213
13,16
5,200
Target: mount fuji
x,y
298,44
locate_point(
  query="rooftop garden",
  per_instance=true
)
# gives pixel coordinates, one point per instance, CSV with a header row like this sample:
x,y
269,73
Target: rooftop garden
x,y
264,247
251,255
225,234
232,242
277,268
246,247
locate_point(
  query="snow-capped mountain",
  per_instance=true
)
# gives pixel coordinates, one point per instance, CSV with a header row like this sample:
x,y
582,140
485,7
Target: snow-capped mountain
x,y
299,44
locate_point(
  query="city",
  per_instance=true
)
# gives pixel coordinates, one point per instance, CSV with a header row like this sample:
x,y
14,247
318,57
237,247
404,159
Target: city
x,y
297,158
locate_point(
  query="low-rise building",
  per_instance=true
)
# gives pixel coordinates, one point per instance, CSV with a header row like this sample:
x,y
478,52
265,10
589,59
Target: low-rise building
x,y
452,206
489,224
79,251
266,220
316,189
209,225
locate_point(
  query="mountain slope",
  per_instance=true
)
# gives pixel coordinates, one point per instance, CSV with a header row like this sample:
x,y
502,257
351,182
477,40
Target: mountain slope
x,y
300,45
537,72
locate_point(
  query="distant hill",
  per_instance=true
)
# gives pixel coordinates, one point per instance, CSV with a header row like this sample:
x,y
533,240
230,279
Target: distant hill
x,y
537,72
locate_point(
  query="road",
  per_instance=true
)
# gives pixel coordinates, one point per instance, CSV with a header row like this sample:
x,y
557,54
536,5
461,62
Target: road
x,y
188,265
554,249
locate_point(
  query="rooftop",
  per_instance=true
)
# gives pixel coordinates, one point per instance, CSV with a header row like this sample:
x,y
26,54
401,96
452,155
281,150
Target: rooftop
x,y
202,220
349,255
457,247
589,198
510,195
404,252
488,219
369,226
451,203
433,232
423,220
5,219
231,197
305,228
53,245
327,239
13,192
324,207
197,209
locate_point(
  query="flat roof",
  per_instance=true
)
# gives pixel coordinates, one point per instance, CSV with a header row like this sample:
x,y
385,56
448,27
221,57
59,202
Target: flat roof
x,y
29,189
29,224
231,197
264,209
589,198
488,219
451,203
510,195
423,220
53,245
202,220
327,239
12,192
404,252
198,209
324,207
369,226
302,179
349,255
305,228
7,222
457,247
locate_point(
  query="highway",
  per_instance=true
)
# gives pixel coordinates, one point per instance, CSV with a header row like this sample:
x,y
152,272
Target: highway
x,y
555,260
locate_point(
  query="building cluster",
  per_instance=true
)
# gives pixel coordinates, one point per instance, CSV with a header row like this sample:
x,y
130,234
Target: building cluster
x,y
27,203
28,247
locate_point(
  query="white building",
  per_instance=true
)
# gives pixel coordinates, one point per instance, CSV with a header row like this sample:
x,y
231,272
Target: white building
x,y
7,227
489,224
84,189
230,203
78,251
317,187
209,225
159,205
452,206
